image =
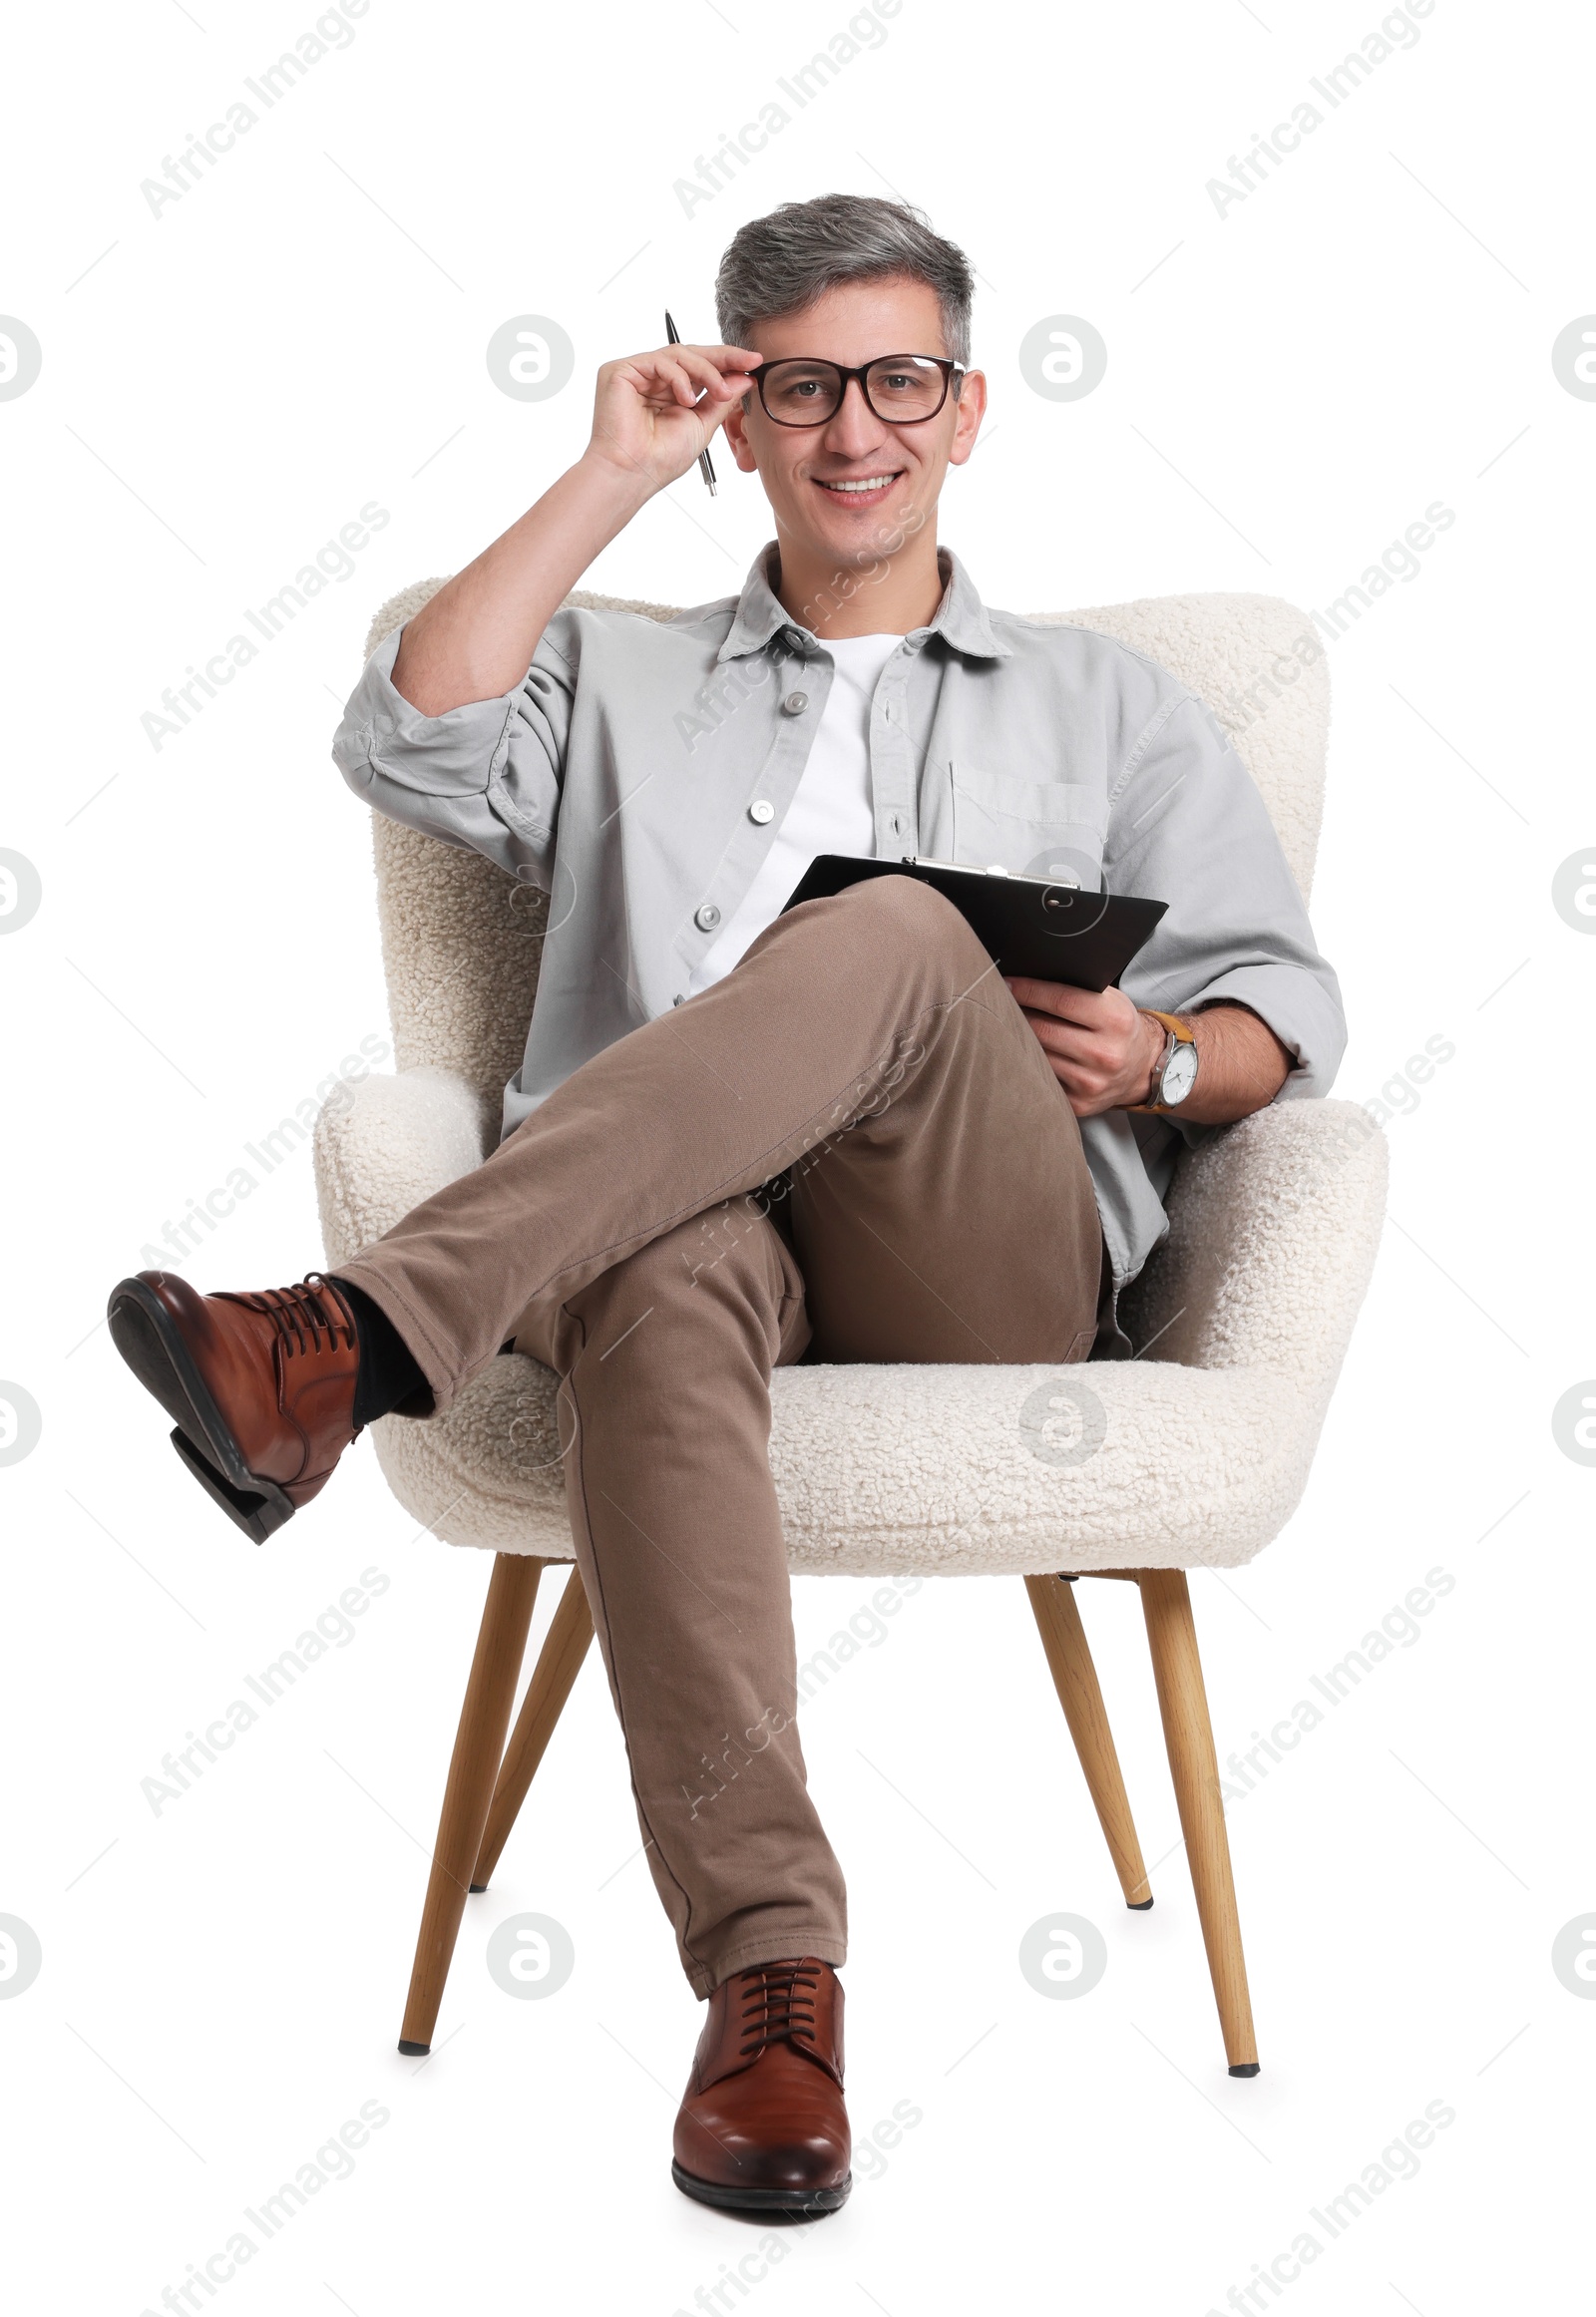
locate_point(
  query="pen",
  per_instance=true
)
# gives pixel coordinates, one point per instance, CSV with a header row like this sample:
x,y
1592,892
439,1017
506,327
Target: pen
x,y
673,338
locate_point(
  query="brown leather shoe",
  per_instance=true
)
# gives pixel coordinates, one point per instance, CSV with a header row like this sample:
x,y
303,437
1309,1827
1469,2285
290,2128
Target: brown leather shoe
x,y
762,2126
262,1387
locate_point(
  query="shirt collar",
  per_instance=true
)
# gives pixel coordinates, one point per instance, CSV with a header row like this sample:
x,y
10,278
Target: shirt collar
x,y
961,618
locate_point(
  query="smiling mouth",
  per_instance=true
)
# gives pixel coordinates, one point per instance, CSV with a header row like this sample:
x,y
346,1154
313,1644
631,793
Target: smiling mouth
x,y
864,487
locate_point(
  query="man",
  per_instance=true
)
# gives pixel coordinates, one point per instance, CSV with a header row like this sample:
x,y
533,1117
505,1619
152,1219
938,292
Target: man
x,y
740,1138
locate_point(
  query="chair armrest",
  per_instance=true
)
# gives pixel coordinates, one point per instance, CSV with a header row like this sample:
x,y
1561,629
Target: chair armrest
x,y
383,1144
1273,1231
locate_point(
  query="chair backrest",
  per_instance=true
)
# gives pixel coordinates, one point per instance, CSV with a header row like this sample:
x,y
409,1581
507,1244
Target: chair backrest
x,y
462,940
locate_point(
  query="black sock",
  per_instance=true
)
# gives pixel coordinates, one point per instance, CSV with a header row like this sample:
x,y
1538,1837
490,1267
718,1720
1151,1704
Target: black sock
x,y
388,1373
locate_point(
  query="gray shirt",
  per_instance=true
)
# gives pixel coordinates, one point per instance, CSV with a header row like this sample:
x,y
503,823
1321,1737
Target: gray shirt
x,y
628,777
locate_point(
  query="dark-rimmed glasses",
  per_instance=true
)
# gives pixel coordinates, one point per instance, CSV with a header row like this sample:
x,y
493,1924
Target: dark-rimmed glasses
x,y
900,389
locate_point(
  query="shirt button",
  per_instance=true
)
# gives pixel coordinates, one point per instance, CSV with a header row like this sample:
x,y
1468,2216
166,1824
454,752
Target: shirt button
x,y
707,917
762,812
795,703
792,639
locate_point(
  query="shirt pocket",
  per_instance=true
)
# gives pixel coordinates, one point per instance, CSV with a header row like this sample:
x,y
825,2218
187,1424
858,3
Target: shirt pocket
x,y
1038,828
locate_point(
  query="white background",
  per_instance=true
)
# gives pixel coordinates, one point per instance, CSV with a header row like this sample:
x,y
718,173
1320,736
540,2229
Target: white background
x,y
1288,388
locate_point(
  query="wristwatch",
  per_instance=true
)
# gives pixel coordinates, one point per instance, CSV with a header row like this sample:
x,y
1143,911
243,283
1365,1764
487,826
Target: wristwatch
x,y
1175,1071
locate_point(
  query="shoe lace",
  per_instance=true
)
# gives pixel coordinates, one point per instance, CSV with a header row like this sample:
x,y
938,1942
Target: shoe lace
x,y
309,1316
778,2006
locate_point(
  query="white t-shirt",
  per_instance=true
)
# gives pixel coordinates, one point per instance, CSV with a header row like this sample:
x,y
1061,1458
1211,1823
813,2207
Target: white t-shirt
x,y
832,810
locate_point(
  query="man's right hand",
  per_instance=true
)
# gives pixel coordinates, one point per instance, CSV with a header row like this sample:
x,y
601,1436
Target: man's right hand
x,y
654,413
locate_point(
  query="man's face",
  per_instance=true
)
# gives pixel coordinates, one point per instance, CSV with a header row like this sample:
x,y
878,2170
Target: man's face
x,y
802,467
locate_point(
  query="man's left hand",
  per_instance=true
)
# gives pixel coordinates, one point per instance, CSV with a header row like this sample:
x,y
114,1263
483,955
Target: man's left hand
x,y
1103,1051
1101,1048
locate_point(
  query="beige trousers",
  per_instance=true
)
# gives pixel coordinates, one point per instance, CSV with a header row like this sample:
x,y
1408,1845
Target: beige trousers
x,y
852,1148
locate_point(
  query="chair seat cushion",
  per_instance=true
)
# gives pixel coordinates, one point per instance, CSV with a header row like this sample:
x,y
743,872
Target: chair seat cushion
x,y
1193,1458
951,1470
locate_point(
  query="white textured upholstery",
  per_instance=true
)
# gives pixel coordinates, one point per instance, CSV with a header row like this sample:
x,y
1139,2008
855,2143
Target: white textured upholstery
x,y
1193,1456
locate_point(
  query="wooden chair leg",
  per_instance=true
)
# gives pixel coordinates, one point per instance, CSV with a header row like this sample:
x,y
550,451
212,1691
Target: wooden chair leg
x,y
1063,1637
478,1743
558,1663
1194,1768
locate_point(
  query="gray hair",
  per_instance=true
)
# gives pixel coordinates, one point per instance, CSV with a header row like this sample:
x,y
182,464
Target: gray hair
x,y
782,263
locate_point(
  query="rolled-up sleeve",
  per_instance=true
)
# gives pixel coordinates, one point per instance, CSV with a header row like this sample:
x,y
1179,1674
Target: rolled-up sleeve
x,y
1188,827
487,776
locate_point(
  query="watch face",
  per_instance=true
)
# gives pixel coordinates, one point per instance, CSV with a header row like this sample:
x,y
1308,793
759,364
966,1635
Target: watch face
x,y
1180,1076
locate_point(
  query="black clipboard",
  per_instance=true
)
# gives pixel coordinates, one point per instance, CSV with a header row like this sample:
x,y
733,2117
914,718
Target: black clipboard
x,y
1029,925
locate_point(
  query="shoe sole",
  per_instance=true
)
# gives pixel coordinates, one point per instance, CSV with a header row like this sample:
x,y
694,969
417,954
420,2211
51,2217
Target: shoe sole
x,y
151,1342
790,2201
